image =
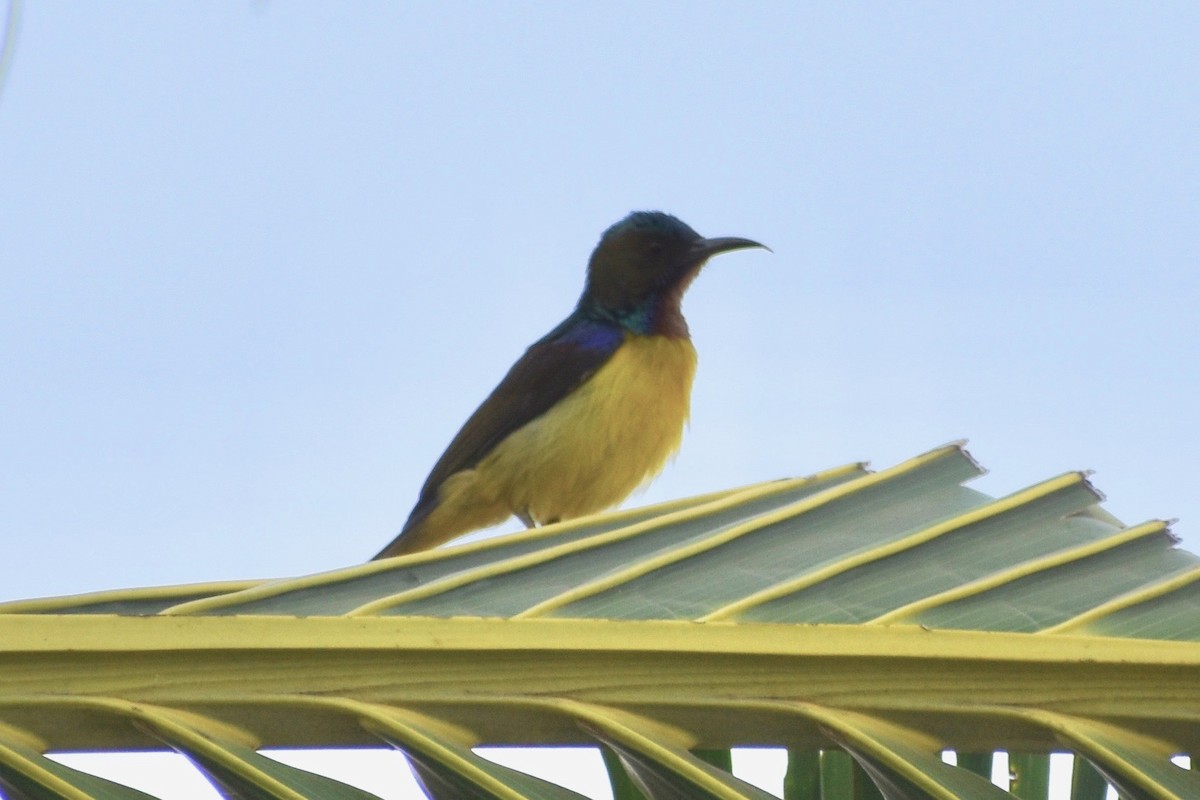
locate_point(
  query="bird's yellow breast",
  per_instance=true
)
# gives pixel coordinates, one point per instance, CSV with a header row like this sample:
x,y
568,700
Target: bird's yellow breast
x,y
601,442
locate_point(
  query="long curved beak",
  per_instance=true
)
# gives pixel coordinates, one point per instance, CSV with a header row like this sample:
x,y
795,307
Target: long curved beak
x,y
707,248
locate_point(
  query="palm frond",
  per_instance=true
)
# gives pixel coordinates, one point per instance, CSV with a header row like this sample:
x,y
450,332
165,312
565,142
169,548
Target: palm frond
x,y
889,615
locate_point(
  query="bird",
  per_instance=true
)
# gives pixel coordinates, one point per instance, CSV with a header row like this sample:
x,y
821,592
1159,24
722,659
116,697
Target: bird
x,y
593,409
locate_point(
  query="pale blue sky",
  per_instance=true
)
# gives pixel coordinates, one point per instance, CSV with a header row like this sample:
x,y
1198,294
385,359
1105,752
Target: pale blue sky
x,y
260,260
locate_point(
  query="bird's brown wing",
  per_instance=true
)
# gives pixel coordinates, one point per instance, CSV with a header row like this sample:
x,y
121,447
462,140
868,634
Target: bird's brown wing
x,y
549,370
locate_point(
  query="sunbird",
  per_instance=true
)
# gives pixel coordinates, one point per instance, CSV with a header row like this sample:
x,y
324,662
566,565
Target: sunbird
x,y
593,409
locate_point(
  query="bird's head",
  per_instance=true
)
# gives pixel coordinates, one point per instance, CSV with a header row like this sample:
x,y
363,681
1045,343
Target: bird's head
x,y
643,264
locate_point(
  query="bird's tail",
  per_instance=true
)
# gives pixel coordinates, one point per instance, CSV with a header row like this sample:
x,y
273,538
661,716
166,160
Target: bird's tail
x,y
442,517
413,537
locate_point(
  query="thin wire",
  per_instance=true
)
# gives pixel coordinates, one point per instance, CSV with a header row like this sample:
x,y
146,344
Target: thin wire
x,y
8,45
